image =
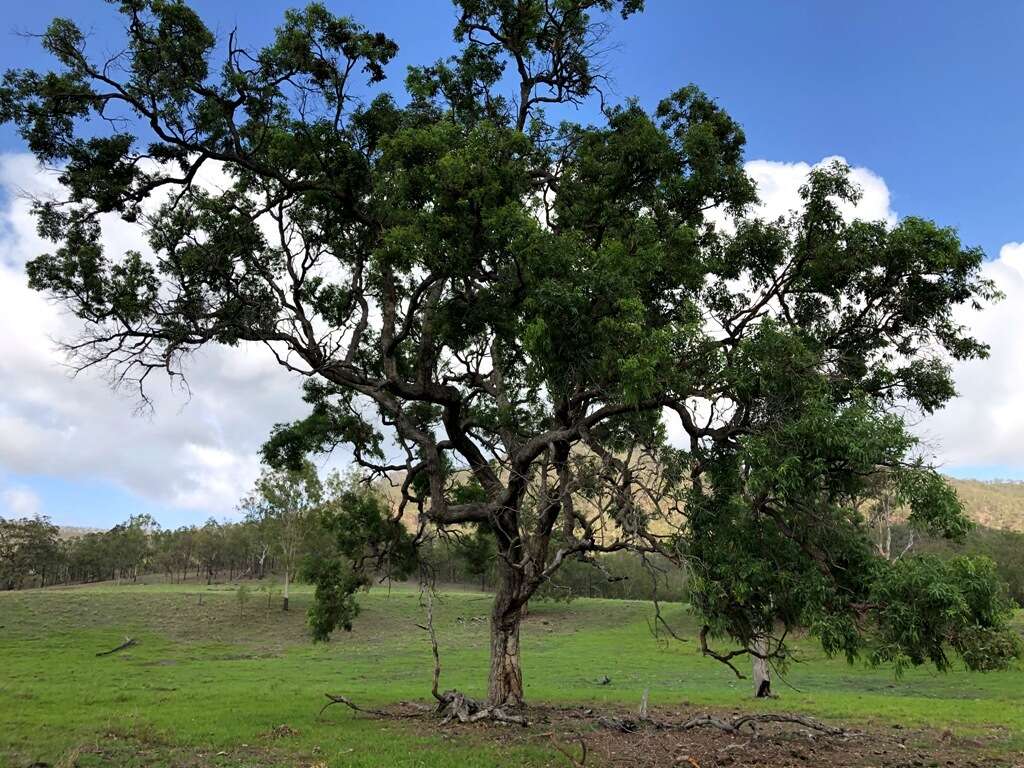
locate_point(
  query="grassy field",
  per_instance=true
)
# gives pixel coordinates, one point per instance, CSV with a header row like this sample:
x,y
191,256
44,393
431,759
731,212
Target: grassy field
x,y
208,686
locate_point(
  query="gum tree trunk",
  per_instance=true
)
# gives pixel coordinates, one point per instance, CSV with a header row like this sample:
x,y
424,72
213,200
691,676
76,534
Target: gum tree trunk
x,y
284,597
505,683
761,672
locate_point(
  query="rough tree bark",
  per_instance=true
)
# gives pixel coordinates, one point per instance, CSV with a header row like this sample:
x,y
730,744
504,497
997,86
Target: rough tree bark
x,y
505,682
284,593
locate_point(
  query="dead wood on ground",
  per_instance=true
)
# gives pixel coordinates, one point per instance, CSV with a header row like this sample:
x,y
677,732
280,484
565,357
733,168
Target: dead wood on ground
x,y
128,643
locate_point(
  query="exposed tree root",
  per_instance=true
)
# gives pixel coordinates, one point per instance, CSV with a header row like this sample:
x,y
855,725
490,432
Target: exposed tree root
x,y
128,643
453,705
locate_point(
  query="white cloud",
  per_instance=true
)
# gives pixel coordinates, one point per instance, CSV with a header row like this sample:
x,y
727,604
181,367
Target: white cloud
x,y
778,186
19,502
195,452
200,453
984,425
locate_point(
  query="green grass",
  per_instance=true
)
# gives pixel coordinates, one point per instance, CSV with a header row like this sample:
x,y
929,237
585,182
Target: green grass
x,y
205,686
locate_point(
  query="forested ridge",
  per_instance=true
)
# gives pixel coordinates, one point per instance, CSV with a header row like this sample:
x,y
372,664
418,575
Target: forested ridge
x,y
35,552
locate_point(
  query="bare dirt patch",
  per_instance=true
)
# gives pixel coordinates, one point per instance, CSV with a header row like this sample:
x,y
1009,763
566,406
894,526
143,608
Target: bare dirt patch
x,y
581,737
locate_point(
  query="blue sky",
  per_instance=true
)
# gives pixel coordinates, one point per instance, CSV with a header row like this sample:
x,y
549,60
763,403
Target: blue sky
x,y
927,96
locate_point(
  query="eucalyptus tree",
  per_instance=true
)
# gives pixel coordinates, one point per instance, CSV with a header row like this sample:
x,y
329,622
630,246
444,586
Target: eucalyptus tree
x,y
492,309
283,506
29,550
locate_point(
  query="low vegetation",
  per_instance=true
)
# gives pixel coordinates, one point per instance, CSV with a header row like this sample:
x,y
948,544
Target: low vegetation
x,y
196,687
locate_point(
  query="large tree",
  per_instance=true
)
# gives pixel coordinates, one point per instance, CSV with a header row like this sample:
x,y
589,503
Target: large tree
x,y
491,308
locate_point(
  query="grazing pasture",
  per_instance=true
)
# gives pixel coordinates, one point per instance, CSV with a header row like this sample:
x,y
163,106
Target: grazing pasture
x,y
215,682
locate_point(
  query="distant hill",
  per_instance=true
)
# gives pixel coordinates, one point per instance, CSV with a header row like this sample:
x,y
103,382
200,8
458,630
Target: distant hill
x,y
994,504
73,531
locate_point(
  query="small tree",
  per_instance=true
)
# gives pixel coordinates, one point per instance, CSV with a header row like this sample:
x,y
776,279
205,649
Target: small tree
x,y
210,549
242,598
282,505
272,591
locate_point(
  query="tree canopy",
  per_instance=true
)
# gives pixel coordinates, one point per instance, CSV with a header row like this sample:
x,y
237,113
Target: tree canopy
x,y
503,313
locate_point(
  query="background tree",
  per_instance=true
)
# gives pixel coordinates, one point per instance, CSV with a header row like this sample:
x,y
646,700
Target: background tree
x,y
132,545
478,550
29,550
283,505
210,549
494,311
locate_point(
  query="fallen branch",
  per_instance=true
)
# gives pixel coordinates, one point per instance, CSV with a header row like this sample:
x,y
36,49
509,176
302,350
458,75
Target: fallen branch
x,y
582,762
452,705
128,643
733,725
339,699
806,722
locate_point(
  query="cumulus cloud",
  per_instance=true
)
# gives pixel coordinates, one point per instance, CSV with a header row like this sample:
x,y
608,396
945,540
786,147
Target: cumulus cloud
x,y
778,185
195,451
17,501
778,190
982,430
984,426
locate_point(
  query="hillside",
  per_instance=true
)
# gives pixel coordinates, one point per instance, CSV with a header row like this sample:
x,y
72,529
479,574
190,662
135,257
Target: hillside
x,y
994,504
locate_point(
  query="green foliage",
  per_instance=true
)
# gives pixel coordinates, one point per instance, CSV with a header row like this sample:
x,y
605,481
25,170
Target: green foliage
x,y
365,531
923,605
334,603
478,549
489,292
29,549
242,595
366,541
1004,548
777,540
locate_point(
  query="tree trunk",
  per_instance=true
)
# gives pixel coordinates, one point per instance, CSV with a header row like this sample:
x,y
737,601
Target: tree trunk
x,y
284,594
761,672
505,684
